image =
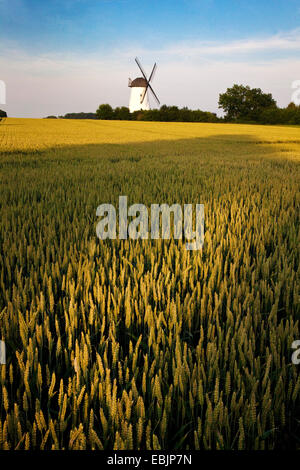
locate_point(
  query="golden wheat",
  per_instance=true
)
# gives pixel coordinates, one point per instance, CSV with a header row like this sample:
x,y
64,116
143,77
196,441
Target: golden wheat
x,y
142,344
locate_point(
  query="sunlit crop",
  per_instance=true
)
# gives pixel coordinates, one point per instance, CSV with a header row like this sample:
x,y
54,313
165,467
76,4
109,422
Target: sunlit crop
x,y
142,344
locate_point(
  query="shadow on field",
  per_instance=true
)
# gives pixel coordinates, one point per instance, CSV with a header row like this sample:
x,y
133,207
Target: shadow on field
x,y
165,170
227,148
6,124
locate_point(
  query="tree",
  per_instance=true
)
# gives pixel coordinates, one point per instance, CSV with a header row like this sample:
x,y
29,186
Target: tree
x,y
123,114
105,111
80,116
2,114
242,102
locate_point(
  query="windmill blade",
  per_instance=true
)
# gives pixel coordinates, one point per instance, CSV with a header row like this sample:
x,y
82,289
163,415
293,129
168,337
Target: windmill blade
x,y
158,102
152,73
148,81
141,68
144,94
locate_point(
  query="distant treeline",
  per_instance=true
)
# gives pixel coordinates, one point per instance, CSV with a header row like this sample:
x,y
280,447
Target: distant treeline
x,y
289,115
165,113
269,114
241,104
75,116
250,105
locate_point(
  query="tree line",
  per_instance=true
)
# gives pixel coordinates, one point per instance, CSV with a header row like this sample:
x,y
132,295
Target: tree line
x,y
240,104
165,113
250,105
2,115
75,116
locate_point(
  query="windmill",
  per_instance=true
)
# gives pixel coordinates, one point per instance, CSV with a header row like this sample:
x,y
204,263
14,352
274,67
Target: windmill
x,y
139,90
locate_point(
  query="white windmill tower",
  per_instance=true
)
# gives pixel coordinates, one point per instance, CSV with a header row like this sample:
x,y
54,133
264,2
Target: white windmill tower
x,y
139,90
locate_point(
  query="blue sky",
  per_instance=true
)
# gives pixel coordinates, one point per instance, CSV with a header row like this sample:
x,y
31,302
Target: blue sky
x,y
47,44
90,25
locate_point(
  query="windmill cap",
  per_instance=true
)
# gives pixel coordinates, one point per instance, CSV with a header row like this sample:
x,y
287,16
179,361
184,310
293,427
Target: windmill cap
x,y
138,82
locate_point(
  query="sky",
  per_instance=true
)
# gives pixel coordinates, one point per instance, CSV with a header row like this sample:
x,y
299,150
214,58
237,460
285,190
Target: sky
x,y
59,56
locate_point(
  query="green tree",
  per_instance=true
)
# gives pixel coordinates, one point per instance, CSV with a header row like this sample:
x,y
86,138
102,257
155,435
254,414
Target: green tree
x,y
105,111
242,102
2,114
122,114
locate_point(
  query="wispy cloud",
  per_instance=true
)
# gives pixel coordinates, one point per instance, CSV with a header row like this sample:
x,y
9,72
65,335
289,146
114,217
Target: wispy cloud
x,y
285,42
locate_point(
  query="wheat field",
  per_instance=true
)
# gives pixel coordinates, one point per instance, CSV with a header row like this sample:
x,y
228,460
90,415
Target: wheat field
x,y
123,344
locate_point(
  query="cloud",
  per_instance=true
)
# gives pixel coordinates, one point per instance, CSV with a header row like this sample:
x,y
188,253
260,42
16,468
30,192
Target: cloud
x,y
188,75
287,43
281,42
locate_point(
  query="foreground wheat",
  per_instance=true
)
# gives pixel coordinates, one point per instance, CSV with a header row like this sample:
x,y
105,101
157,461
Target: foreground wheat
x,y
143,345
